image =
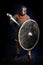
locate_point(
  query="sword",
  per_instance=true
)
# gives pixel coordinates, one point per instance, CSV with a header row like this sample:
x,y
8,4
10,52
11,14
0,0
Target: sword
x,y
11,17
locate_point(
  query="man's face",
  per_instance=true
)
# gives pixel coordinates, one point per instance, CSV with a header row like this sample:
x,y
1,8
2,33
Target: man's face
x,y
23,11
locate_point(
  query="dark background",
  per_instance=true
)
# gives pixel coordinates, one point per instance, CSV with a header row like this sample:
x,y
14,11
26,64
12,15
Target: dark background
x,y
7,35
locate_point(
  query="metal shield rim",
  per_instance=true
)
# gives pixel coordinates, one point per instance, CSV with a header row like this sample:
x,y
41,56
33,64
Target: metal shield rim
x,y
19,35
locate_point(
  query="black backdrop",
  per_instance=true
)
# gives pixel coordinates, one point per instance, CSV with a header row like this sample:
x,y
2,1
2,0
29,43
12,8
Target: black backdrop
x,y
7,35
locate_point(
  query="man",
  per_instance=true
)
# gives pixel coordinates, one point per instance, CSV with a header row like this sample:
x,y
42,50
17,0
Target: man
x,y
21,17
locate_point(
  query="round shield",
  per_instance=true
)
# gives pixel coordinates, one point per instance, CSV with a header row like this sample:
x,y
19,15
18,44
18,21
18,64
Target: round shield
x,y
28,34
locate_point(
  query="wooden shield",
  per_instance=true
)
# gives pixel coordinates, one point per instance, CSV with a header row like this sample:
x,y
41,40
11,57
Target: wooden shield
x,y
28,35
